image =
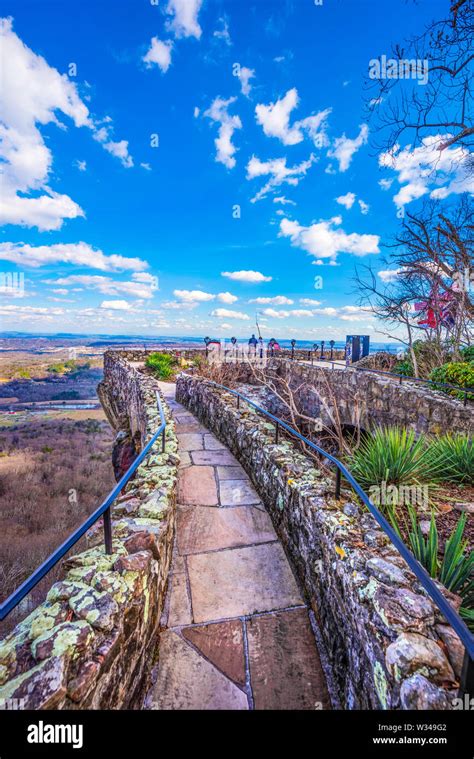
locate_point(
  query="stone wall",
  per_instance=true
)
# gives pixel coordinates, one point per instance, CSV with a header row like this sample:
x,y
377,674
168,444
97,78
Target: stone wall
x,y
388,646
91,644
370,399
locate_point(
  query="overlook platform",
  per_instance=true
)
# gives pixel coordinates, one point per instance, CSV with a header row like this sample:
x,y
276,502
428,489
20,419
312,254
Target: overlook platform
x,y
238,634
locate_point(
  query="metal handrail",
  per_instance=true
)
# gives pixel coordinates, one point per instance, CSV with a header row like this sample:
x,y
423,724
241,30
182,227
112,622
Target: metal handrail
x,y
104,510
433,591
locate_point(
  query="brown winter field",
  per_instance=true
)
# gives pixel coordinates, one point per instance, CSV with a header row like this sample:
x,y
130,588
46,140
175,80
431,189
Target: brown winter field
x,y
54,471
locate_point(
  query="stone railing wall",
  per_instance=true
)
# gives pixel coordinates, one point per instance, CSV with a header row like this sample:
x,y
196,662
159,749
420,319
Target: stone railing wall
x,y
91,644
371,399
388,645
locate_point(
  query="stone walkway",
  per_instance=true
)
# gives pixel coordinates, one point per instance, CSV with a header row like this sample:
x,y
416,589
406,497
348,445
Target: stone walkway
x,y
238,633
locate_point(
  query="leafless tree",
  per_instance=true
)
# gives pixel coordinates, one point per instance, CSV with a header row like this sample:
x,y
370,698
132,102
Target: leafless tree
x,y
403,107
433,263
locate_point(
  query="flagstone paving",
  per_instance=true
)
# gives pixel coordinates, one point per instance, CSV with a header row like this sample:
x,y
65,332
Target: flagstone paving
x,y
237,632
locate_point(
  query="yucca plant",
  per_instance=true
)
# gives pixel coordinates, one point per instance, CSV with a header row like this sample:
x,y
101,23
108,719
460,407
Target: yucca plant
x,y
455,569
457,566
454,455
161,364
394,455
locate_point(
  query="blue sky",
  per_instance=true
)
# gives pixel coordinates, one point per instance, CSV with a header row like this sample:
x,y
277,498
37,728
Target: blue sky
x,y
124,213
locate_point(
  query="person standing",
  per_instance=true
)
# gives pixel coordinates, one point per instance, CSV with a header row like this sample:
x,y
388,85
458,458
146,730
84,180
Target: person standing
x,y
253,345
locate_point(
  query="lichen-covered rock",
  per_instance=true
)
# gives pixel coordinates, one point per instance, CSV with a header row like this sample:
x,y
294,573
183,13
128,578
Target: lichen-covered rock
x,y
42,687
154,507
454,646
142,541
413,653
97,608
417,692
67,639
401,610
386,572
81,685
112,583
95,557
63,590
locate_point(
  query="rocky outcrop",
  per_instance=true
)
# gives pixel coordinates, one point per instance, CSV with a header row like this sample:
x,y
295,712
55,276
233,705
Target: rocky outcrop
x,y
91,644
387,643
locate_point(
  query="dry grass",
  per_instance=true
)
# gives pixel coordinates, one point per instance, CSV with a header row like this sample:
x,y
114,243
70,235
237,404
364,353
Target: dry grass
x,y
53,474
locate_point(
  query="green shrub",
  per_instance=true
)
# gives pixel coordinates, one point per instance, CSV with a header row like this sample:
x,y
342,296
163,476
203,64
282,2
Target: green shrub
x,y
161,364
395,456
404,367
454,456
460,374
468,353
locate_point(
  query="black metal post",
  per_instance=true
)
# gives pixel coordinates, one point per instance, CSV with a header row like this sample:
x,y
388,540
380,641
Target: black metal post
x,y
163,441
238,401
465,397
277,432
401,378
338,483
331,343
322,350
466,686
107,531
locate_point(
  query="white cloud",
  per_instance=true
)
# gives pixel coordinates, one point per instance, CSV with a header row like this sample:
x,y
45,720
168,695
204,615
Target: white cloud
x,y
277,300
364,207
185,22
107,285
244,75
34,93
344,148
81,165
346,200
385,184
427,169
159,54
175,305
389,275
225,313
193,296
278,171
196,112
310,302
116,305
275,121
295,313
274,314
227,298
219,114
146,166
284,201
246,276
223,33
79,254
117,149
324,240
